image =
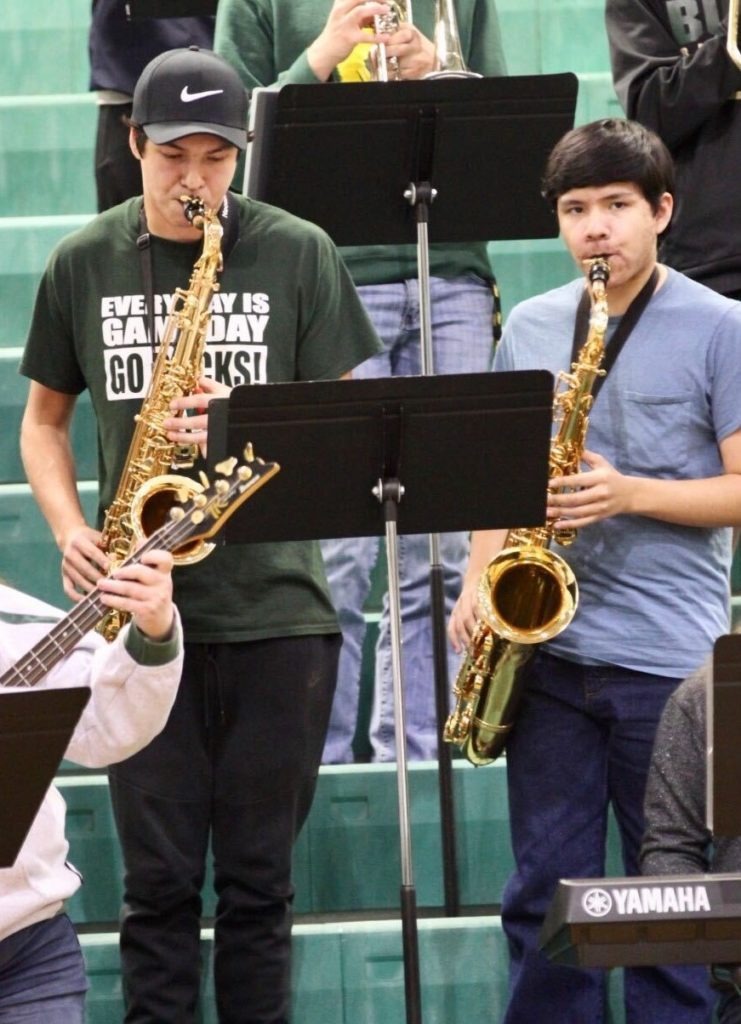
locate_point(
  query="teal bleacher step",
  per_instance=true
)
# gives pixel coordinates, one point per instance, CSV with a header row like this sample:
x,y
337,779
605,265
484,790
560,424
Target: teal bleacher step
x,y
13,393
549,36
44,47
29,558
347,858
354,974
25,246
527,267
46,158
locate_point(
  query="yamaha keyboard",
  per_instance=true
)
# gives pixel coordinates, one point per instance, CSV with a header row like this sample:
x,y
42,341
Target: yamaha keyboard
x,y
665,919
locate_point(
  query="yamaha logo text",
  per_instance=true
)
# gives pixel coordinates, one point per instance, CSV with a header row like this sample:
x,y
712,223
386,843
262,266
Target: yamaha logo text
x,y
648,899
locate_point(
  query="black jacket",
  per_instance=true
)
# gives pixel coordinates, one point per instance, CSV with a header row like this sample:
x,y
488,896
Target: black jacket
x,y
673,74
120,49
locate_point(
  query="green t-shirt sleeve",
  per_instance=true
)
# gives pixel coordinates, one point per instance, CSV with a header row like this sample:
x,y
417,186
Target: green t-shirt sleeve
x,y
244,36
49,355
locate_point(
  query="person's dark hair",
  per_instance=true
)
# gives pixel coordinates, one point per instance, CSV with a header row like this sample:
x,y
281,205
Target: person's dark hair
x,y
609,150
140,136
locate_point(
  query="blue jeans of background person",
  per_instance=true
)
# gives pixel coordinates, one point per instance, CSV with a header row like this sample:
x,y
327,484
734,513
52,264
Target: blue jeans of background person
x,y
236,764
42,975
462,342
582,740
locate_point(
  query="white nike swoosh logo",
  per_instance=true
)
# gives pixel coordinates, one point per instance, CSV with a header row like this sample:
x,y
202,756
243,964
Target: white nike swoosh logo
x,y
188,97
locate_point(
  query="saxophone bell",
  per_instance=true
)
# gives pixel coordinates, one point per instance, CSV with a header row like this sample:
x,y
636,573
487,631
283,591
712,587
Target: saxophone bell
x,y
152,504
527,594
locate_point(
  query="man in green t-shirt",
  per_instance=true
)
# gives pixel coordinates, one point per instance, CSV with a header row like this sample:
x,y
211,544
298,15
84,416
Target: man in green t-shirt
x,y
237,762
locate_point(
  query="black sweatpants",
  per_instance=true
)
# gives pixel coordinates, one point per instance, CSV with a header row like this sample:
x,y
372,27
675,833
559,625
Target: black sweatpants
x,y
236,764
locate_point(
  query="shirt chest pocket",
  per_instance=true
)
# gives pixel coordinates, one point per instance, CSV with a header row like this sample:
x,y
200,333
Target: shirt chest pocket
x,y
656,434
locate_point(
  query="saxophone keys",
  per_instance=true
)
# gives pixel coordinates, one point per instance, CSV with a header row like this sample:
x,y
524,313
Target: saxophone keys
x,y
226,467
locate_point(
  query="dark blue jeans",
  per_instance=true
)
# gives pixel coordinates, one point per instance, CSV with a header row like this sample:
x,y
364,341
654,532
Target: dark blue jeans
x,y
582,741
42,975
236,764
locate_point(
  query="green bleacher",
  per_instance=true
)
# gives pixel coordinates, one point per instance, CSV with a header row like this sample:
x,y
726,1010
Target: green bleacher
x,y
348,954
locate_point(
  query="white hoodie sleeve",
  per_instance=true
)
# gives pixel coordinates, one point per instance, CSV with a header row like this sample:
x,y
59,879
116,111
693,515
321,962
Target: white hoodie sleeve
x,y
133,680
133,690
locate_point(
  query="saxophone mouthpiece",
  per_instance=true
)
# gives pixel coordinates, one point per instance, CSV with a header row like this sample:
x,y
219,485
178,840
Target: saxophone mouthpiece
x,y
194,211
598,270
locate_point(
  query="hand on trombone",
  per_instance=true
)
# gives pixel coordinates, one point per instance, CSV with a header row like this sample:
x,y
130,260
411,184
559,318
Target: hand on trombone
x,y
349,22
414,52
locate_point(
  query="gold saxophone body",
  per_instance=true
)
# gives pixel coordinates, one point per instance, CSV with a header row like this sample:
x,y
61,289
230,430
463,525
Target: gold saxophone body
x,y
147,489
527,593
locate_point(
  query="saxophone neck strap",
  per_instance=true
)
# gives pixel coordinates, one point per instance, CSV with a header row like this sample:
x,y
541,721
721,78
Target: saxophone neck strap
x,y
622,332
229,217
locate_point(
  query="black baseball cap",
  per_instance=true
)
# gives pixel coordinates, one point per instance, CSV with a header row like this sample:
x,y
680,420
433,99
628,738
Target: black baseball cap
x,y
187,91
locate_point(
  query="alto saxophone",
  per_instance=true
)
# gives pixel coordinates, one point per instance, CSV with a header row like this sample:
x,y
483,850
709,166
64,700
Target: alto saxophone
x,y
147,489
527,593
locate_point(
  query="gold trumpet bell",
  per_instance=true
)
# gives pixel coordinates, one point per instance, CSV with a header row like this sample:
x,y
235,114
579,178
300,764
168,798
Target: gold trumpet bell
x,y
151,505
527,594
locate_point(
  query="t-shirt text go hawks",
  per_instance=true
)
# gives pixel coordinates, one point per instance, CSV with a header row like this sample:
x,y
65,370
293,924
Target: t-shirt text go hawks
x,y
235,351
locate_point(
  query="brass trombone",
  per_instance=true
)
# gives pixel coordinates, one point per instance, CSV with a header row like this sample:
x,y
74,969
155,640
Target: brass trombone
x,y
449,62
732,40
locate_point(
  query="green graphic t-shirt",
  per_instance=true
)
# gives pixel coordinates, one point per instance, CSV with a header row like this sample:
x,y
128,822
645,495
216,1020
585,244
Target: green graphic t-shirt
x,y
286,311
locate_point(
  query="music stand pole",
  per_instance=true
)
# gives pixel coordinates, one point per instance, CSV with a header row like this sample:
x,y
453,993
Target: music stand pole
x,y
374,435
421,195
389,493
419,131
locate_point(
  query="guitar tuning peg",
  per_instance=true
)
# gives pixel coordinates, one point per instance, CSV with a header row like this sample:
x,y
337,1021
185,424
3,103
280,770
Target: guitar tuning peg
x,y
176,514
244,473
249,452
204,479
221,487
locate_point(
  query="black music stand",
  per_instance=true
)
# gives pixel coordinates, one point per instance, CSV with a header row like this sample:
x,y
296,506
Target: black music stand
x,y
345,157
35,730
169,8
366,162
723,731
389,456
